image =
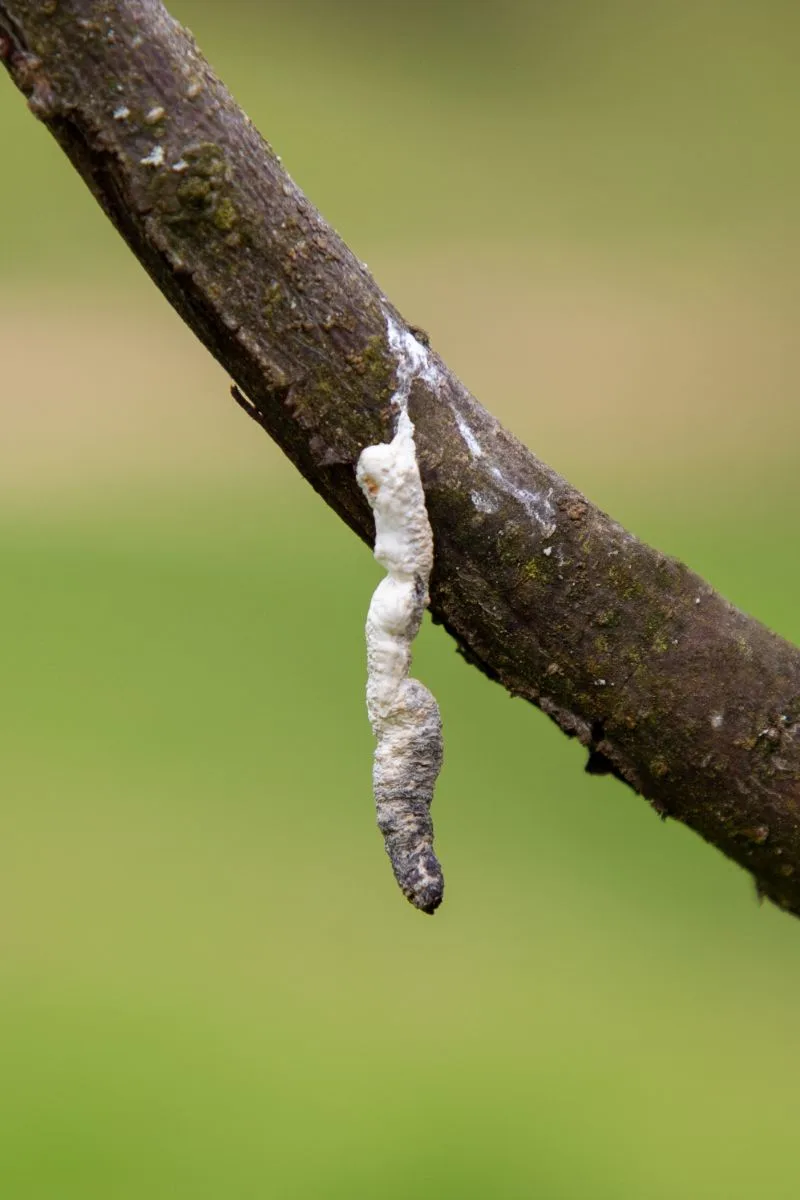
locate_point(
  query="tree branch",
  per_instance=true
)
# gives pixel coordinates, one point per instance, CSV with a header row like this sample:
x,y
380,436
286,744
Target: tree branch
x,y
669,687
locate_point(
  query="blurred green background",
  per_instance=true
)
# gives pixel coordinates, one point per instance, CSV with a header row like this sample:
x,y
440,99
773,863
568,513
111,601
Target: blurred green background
x,y
210,984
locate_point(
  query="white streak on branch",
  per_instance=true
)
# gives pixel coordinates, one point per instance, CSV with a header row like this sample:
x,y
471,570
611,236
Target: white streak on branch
x,y
467,436
537,505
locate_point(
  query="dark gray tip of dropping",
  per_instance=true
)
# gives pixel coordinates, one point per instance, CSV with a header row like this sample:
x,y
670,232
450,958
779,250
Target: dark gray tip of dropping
x,y
421,880
405,821
431,905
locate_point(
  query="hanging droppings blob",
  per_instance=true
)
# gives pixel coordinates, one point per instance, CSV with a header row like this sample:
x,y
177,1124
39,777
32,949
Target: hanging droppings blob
x,y
403,713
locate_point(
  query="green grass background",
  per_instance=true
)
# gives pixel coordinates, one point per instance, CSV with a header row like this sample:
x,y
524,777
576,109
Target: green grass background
x,y
209,985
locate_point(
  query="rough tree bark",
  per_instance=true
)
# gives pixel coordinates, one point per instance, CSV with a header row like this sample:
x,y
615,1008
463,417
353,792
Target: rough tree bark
x,y
692,703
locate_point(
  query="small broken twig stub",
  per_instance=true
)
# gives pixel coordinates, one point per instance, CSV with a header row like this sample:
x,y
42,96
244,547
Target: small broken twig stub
x,y
403,713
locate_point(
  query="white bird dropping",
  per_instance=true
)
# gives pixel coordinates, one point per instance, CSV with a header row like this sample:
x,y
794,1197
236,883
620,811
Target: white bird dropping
x,y
403,713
